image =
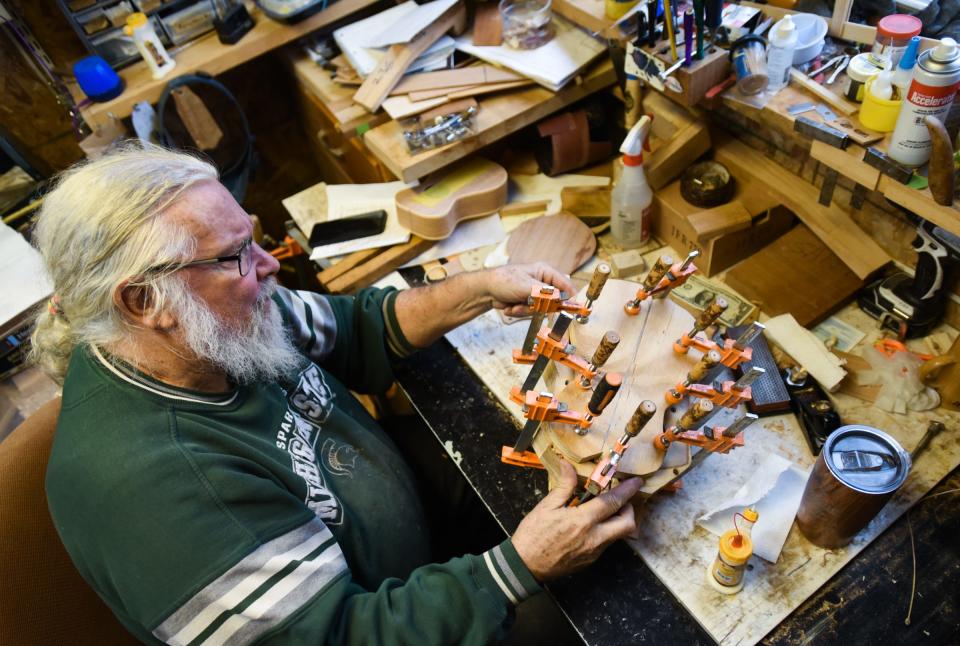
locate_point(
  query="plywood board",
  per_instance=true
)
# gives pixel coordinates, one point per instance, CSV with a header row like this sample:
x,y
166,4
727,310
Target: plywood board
x,y
795,274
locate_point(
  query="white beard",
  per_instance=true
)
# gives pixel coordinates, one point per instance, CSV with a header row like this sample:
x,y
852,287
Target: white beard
x,y
260,351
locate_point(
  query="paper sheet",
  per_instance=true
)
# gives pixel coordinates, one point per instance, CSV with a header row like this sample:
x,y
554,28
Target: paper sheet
x,y
357,39
468,235
774,490
22,273
553,65
412,23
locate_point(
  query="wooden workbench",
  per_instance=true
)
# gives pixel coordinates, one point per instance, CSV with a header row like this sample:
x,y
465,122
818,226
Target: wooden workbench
x,y
210,56
618,600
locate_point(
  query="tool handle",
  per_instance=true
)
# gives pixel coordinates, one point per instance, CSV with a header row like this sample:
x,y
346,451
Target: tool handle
x,y
599,279
713,311
702,367
607,345
698,14
668,22
645,410
700,409
657,272
688,37
714,14
652,23
606,390
933,430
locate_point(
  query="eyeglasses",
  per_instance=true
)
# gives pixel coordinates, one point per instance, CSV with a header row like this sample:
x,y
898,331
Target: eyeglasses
x,y
243,258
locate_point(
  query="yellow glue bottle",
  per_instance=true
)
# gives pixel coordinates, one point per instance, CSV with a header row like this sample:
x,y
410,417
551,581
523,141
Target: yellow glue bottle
x,y
736,546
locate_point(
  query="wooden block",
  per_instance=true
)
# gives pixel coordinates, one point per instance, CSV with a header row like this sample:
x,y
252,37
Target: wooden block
x,y
561,240
487,25
834,227
719,220
379,265
524,208
401,107
795,274
626,264
471,189
473,75
398,58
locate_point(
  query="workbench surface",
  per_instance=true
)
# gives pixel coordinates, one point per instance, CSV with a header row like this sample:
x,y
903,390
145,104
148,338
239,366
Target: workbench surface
x,y
618,600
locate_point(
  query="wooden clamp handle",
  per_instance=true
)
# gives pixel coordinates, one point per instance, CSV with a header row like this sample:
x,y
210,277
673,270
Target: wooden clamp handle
x,y
645,410
695,413
716,307
607,345
599,279
702,367
659,269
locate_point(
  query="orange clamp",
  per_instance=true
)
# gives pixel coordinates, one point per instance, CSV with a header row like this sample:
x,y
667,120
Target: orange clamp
x,y
555,351
545,299
727,396
544,407
730,355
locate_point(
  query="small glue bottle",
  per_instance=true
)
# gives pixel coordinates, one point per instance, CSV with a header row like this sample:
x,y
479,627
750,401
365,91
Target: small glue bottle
x,y
148,44
736,546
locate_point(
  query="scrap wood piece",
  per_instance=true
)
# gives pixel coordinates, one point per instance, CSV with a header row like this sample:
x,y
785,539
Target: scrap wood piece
x,y
795,273
835,101
487,25
200,124
467,91
720,220
834,227
807,350
344,265
381,264
398,58
473,75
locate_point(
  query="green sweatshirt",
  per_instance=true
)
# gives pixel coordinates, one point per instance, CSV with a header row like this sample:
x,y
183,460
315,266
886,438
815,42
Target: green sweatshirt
x,y
276,513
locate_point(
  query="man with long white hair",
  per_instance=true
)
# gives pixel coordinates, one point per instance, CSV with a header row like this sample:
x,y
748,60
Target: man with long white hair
x,y
211,475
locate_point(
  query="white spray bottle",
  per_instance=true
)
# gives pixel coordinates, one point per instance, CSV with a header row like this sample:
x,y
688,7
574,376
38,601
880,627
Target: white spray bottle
x,y
631,197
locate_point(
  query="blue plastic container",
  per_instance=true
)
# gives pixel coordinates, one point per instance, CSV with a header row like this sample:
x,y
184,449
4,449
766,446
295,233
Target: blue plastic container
x,y
97,79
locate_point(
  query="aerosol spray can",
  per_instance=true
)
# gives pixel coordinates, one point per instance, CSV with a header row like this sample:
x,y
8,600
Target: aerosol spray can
x,y
936,79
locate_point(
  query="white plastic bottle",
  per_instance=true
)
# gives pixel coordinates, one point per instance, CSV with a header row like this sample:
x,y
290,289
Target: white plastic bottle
x,y
783,40
936,78
631,196
148,44
904,72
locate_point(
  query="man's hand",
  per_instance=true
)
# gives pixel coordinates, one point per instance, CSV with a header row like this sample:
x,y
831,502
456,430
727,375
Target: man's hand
x,y
510,285
554,540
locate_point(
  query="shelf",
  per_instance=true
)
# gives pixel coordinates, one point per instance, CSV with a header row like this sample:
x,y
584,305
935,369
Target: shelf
x,y
499,116
207,54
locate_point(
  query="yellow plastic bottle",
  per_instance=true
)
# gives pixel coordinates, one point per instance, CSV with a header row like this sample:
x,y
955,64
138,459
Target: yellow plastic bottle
x,y
614,9
726,572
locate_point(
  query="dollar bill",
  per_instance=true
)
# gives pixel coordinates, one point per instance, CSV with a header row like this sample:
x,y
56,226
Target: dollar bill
x,y
838,334
698,292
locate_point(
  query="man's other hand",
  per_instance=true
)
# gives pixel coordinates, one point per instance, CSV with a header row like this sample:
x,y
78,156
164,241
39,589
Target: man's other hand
x,y
510,285
554,540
